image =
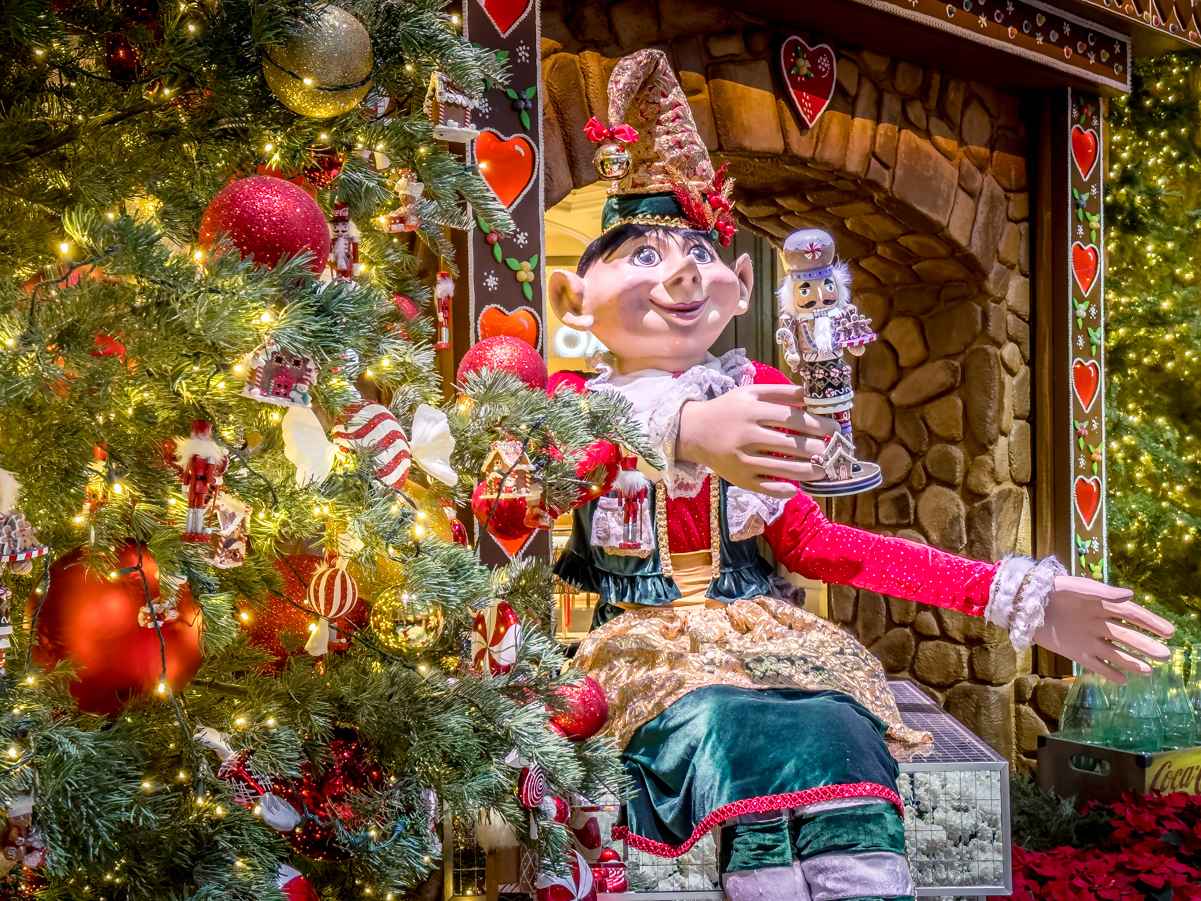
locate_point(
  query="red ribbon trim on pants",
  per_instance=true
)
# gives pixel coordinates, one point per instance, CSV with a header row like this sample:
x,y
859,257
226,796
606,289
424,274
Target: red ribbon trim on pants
x,y
763,804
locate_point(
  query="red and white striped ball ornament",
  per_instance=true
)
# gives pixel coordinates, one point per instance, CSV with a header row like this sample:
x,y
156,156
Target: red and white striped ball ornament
x,y
374,429
332,594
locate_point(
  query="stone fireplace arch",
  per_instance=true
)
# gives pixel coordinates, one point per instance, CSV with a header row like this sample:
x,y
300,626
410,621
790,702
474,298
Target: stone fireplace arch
x,y
922,179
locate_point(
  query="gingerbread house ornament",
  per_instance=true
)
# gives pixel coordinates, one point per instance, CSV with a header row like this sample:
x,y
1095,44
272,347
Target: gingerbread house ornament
x,y
509,473
280,377
451,110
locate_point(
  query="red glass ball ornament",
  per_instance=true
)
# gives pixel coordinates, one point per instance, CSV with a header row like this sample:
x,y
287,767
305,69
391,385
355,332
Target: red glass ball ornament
x,y
506,354
586,712
122,58
504,519
267,219
325,167
92,621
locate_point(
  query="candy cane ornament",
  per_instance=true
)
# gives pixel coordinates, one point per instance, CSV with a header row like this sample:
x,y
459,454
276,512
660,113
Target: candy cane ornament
x,y
495,635
374,429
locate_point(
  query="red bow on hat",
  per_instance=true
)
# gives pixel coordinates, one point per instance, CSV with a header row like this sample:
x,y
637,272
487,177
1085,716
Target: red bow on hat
x,y
597,131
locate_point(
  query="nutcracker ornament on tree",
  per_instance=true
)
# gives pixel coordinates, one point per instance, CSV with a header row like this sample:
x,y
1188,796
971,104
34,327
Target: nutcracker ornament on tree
x,y
444,298
817,323
344,248
201,463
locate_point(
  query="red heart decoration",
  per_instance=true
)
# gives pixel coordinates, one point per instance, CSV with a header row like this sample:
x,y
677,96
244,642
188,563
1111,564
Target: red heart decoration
x,y
810,73
1086,264
508,165
521,324
1087,493
505,15
1084,149
1086,380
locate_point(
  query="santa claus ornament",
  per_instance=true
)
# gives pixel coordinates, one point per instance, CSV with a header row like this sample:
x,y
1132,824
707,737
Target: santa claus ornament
x,y
201,463
19,547
293,885
495,637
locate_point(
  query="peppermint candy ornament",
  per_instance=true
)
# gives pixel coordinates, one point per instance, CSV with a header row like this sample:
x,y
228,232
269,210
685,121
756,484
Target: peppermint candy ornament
x,y
576,886
332,594
495,635
373,429
531,786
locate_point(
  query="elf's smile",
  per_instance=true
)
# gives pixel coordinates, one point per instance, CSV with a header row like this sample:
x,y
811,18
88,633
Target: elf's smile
x,y
687,311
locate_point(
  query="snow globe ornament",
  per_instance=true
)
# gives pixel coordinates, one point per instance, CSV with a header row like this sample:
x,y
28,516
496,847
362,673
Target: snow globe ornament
x,y
280,377
818,324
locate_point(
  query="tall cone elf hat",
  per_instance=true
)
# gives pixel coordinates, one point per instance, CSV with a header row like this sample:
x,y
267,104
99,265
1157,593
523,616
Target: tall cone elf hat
x,y
652,154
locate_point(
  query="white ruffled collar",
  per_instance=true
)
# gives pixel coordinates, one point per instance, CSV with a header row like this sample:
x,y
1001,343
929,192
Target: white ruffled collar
x,y
733,364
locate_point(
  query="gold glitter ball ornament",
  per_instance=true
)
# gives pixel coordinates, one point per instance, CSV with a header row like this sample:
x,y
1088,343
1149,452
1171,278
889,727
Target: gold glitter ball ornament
x,y
324,69
612,161
404,623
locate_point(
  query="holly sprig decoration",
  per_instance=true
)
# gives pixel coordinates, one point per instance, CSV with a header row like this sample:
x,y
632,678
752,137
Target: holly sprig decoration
x,y
522,102
1095,568
1081,309
523,271
492,238
1094,339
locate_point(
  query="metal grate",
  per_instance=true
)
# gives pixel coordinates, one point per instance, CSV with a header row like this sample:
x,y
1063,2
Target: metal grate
x,y
953,743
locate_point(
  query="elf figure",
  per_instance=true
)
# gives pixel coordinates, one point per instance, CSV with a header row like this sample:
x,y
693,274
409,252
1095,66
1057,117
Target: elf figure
x,y
817,323
200,462
795,765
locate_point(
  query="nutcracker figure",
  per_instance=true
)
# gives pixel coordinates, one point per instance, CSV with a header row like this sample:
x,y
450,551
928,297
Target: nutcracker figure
x,y
817,323
200,462
794,768
444,298
344,251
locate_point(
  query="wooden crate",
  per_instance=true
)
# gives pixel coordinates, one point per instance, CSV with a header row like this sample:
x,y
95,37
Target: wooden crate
x,y
1095,773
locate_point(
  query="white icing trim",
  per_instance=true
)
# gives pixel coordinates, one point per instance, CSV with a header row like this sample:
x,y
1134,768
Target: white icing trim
x,y
1019,595
749,513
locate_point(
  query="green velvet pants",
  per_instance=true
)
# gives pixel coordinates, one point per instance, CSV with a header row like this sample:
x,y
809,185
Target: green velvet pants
x,y
777,841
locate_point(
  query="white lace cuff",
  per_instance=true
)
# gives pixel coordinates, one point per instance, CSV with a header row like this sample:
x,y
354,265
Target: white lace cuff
x,y
1017,600
749,513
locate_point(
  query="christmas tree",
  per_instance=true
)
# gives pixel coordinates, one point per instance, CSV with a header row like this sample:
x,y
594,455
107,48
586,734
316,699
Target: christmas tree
x,y
239,613
1153,213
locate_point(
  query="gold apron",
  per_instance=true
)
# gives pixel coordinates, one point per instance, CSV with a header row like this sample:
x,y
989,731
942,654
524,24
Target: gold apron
x,y
650,657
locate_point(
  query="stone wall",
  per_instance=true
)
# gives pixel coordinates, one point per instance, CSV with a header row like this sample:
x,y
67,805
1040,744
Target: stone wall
x,y
922,180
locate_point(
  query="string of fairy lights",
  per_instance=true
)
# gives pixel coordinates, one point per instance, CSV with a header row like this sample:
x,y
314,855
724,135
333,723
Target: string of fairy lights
x,y
1153,213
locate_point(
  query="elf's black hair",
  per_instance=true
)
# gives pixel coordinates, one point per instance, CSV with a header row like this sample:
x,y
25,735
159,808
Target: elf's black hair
x,y
611,240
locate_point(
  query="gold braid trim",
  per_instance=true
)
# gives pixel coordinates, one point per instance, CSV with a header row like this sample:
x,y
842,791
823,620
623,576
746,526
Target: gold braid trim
x,y
670,221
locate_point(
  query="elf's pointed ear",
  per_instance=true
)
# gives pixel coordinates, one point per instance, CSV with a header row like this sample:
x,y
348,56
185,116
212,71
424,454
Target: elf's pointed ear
x,y
746,280
567,292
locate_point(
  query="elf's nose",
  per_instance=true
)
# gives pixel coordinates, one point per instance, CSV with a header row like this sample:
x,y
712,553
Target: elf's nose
x,y
684,285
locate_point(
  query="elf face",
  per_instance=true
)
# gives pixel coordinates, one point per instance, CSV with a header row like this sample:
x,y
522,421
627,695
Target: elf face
x,y
657,300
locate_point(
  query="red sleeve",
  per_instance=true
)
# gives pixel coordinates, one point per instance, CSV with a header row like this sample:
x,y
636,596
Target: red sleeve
x,y
806,542
598,463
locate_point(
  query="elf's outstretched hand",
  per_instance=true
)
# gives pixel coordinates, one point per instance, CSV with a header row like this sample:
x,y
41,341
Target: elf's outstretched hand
x,y
1091,622
757,437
